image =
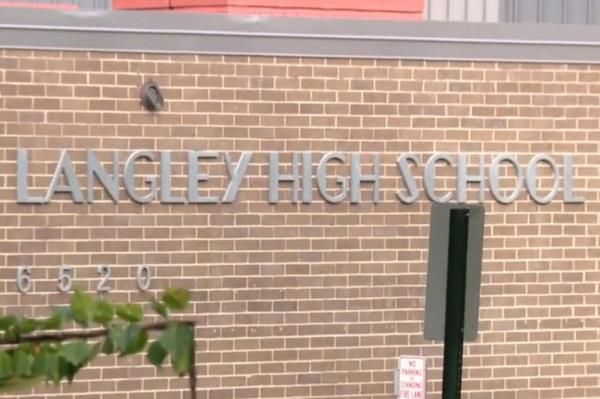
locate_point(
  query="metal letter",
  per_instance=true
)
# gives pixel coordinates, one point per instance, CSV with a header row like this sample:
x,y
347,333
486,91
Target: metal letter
x,y
236,174
358,178
408,178
322,178
306,177
462,178
569,197
194,177
275,178
429,178
110,183
22,178
166,194
65,168
129,177
532,178
495,178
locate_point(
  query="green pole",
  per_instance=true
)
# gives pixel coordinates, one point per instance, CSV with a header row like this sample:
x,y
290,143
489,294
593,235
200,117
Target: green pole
x,y
455,304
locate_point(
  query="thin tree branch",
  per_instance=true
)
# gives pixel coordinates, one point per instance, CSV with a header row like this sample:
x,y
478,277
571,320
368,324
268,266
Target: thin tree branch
x,y
193,368
87,334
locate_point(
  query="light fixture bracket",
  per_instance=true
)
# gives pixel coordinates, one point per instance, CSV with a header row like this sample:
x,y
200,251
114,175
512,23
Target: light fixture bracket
x,y
151,97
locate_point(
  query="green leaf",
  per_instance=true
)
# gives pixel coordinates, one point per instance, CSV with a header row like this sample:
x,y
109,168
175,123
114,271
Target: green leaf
x,y
27,326
10,326
53,323
6,366
83,308
46,363
75,356
135,339
156,354
23,363
52,367
104,313
13,334
64,313
67,370
108,347
132,312
39,363
26,347
160,308
178,340
116,336
176,298
77,353
7,321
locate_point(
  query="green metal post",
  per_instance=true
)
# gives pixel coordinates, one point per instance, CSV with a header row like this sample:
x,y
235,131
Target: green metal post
x,y
455,304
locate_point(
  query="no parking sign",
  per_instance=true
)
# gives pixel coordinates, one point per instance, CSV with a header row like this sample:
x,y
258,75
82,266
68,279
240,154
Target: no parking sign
x,y
411,378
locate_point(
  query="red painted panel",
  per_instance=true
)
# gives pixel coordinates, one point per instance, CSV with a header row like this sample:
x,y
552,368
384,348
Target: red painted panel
x,y
140,4
301,13
388,9
38,5
402,6
207,3
371,5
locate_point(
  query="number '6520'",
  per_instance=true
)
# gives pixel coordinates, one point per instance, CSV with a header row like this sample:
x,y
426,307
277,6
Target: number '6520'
x,y
66,276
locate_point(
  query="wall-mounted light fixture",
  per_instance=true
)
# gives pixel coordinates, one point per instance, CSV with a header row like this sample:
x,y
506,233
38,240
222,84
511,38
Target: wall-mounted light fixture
x,y
151,97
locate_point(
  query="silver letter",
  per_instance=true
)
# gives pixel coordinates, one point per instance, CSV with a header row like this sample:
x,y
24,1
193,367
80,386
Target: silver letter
x,y
129,177
463,178
408,178
275,178
306,177
429,178
65,167
322,178
110,183
194,177
236,174
22,177
495,178
568,181
358,178
166,195
532,178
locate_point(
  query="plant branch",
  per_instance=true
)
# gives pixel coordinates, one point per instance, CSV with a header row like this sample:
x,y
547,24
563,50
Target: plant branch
x,y
193,368
103,332
87,334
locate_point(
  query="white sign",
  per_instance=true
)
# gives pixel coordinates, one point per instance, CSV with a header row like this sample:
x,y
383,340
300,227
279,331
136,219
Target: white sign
x,y
411,379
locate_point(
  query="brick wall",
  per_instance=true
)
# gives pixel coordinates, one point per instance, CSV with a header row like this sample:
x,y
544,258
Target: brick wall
x,y
308,300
